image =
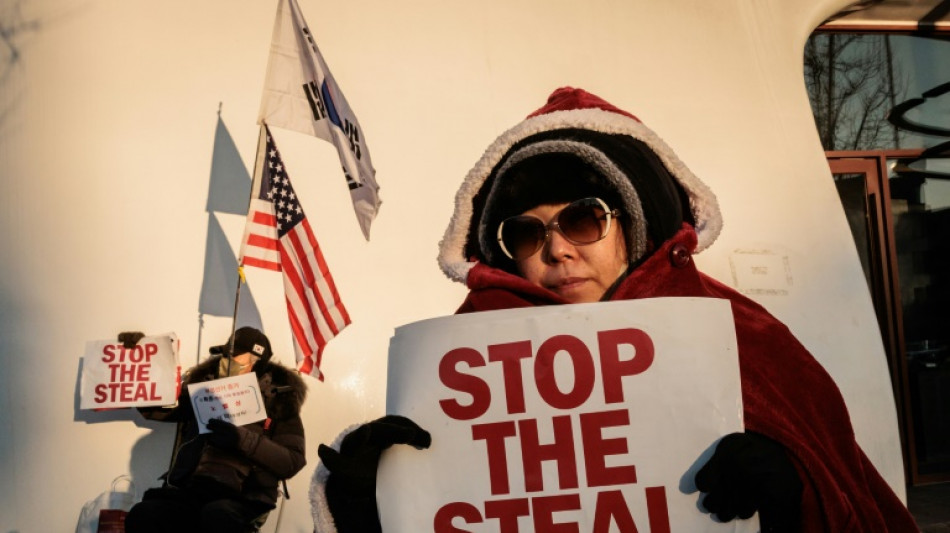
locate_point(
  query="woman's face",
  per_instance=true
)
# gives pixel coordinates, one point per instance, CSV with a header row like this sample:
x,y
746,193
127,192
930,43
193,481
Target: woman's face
x,y
578,273
243,359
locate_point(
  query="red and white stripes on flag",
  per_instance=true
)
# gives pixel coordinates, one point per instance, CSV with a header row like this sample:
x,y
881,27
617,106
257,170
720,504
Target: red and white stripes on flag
x,y
278,236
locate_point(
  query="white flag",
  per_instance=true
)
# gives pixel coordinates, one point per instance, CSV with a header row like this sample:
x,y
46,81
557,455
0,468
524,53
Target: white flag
x,y
300,94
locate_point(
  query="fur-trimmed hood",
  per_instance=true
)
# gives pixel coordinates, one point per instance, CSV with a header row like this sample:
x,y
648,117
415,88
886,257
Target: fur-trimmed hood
x,y
566,109
283,389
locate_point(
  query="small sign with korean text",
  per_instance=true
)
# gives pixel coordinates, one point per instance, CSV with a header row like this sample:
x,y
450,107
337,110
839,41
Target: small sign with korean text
x,y
234,399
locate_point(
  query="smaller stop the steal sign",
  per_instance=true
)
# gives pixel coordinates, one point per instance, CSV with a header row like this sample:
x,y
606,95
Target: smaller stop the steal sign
x,y
561,419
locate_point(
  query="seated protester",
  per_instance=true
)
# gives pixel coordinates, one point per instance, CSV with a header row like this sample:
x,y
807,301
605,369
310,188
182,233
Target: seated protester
x,y
226,481
581,202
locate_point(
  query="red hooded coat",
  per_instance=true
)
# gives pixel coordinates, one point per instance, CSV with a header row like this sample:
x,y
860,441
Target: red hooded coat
x,y
787,395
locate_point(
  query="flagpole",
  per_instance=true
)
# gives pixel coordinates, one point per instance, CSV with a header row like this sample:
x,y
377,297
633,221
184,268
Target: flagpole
x,y
237,302
240,268
201,326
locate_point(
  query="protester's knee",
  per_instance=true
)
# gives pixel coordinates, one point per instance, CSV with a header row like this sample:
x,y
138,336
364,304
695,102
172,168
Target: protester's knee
x,y
133,520
145,517
225,516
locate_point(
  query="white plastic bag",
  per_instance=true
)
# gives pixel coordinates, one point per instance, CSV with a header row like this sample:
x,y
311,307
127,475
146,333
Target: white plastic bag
x,y
106,513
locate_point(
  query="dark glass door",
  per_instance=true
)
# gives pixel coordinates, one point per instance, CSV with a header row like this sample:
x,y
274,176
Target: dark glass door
x,y
920,205
900,221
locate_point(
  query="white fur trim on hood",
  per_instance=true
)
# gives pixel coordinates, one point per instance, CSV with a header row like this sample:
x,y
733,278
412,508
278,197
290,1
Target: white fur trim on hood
x,y
702,201
319,508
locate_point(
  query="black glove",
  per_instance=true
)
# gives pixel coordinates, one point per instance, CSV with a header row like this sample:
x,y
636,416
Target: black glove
x,y
351,487
224,435
130,338
749,472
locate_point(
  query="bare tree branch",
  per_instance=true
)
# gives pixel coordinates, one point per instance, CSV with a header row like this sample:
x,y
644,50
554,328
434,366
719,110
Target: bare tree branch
x,y
852,81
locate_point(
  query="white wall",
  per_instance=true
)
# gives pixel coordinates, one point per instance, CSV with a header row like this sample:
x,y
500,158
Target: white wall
x,y
107,121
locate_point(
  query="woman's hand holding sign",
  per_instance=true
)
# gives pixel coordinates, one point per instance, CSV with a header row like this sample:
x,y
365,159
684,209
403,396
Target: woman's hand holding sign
x,y
351,488
749,472
130,338
224,434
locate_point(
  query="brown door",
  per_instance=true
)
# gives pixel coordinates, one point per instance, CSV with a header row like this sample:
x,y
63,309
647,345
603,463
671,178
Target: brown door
x,y
900,238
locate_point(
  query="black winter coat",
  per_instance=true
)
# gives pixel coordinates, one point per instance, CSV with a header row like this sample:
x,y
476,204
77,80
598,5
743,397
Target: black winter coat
x,y
267,451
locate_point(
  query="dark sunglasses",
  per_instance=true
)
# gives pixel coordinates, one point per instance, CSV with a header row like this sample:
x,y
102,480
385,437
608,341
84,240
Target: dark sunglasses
x,y
581,222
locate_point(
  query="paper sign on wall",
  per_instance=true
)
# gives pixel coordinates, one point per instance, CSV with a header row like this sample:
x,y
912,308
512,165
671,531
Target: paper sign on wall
x,y
234,399
590,417
116,376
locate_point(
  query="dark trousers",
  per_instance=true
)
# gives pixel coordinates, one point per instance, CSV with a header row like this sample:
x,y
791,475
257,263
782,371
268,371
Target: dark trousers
x,y
174,511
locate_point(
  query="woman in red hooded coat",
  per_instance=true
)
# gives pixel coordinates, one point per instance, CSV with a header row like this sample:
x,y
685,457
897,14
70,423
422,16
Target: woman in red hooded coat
x,y
581,202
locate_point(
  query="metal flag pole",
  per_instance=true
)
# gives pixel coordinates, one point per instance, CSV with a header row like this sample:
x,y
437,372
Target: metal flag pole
x,y
255,185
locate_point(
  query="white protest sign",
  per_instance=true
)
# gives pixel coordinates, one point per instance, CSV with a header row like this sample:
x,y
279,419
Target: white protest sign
x,y
234,399
115,376
574,418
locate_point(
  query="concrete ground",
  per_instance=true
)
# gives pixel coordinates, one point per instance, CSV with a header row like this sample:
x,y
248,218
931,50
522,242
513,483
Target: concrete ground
x,y
930,505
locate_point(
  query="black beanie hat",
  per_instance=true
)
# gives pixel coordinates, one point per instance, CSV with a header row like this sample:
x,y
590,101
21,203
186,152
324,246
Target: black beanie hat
x,y
246,339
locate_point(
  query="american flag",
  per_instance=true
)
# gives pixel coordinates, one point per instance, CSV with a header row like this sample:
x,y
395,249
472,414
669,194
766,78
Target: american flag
x,y
278,237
